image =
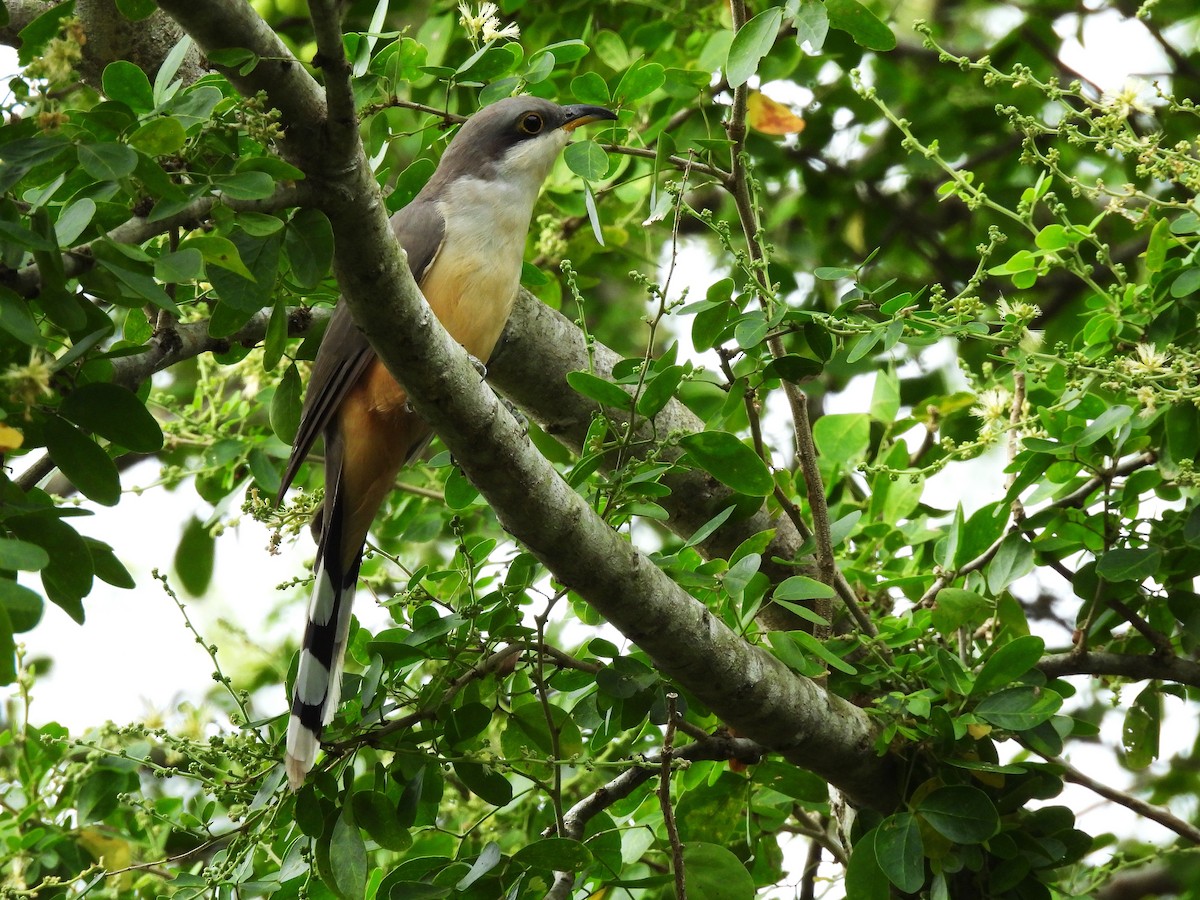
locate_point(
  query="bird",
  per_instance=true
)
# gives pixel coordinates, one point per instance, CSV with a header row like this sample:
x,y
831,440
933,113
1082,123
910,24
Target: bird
x,y
464,235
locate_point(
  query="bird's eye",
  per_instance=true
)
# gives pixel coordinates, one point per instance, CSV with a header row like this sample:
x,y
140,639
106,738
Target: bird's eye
x,y
531,123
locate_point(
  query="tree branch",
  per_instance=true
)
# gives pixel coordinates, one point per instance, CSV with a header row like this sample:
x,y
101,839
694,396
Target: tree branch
x,y
1163,817
530,365
749,688
184,342
1122,665
223,24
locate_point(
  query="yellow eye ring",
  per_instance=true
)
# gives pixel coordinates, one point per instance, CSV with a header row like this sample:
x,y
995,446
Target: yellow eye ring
x,y
530,123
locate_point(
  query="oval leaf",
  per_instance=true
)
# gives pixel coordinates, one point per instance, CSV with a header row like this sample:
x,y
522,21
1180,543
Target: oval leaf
x,y
730,461
114,413
961,813
753,41
83,462
901,852
713,872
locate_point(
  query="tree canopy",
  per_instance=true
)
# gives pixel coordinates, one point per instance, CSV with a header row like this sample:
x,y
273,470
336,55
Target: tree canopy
x,y
730,612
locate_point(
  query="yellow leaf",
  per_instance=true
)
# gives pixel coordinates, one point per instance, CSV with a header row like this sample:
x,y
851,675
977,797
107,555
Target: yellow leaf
x,y
10,438
769,117
111,852
979,731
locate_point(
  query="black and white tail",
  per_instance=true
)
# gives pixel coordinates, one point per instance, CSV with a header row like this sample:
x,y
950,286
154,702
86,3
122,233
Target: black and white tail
x,y
319,675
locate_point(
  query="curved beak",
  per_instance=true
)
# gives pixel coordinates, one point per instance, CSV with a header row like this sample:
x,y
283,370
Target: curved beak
x,y
581,114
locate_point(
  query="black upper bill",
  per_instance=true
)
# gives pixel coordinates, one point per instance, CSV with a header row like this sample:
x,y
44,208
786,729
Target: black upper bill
x,y
581,114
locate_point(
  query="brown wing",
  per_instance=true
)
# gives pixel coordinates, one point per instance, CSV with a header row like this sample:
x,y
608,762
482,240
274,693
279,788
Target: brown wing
x,y
345,353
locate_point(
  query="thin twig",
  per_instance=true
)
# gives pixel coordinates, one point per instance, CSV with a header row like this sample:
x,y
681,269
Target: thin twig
x,y
806,451
544,699
1163,817
664,797
1015,417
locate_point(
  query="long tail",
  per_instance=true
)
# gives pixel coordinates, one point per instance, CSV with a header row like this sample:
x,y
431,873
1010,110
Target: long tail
x,y
319,675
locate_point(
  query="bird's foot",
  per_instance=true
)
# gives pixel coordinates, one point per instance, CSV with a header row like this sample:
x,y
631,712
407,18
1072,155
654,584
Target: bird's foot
x,y
516,414
480,366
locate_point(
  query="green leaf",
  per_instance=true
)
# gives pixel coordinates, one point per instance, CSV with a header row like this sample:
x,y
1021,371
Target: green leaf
x,y
1139,733
639,81
587,159
22,606
217,251
1108,421
124,81
164,80
956,608
730,461
377,814
818,649
1129,564
714,873
834,273
753,41
347,854
1186,284
22,556
812,24
751,330
1008,663
38,33
1158,246
233,58
490,62
159,137
115,413
885,399
801,587
554,854
595,388
275,341
8,649
842,437
286,405
242,295
82,461
590,87
864,344
179,267
487,784
245,185
17,320
901,852
659,391
865,880
792,367
467,722
73,220
861,24
487,860
1019,708
308,242
1013,560
107,162
961,813
109,569
68,578
194,557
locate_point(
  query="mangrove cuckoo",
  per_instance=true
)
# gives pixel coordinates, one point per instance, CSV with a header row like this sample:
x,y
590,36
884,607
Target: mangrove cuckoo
x,y
465,237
